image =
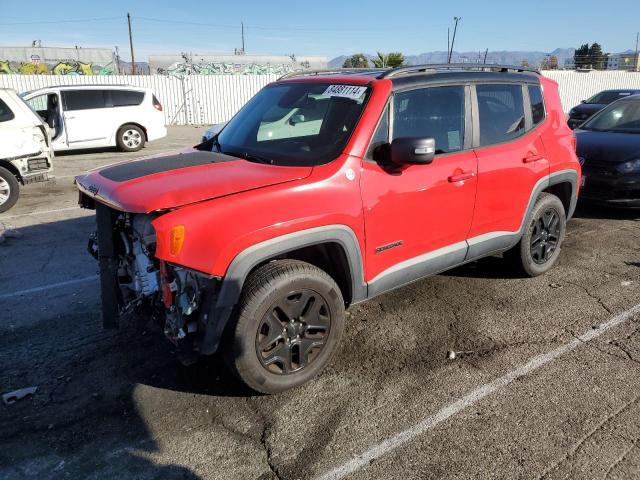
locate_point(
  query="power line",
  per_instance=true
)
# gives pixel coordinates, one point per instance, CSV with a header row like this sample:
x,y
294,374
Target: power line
x,y
264,27
77,20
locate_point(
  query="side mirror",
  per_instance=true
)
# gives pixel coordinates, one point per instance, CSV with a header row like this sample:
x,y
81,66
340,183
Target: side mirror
x,y
297,118
583,101
413,151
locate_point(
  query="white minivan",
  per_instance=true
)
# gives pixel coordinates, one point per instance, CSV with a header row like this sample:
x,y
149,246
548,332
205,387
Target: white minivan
x,y
93,116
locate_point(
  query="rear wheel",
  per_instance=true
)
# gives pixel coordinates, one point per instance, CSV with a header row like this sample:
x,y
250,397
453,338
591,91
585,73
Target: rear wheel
x,y
539,247
130,138
290,319
9,189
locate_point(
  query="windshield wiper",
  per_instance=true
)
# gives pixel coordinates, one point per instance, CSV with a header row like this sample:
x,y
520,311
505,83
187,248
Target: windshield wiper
x,y
251,157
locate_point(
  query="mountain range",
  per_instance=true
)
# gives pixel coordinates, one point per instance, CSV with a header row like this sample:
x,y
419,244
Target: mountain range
x,y
505,57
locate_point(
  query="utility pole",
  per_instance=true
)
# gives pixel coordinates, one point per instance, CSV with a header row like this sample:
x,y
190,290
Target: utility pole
x,y
636,67
486,52
242,27
117,60
453,40
133,60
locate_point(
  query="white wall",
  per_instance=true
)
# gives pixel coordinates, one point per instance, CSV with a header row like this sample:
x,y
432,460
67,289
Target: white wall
x,y
194,100
577,86
207,99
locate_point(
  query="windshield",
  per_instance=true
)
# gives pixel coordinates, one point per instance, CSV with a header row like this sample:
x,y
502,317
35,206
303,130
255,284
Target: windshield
x,y
301,124
605,98
623,117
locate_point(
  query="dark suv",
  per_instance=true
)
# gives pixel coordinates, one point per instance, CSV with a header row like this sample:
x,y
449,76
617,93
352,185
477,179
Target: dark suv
x,y
325,190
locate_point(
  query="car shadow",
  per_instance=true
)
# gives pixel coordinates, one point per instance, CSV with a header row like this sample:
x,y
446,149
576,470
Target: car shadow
x,y
87,377
494,267
591,210
86,151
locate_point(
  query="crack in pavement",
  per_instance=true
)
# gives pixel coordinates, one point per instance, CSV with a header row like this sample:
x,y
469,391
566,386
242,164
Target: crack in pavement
x,y
621,458
626,351
572,452
593,296
266,427
263,440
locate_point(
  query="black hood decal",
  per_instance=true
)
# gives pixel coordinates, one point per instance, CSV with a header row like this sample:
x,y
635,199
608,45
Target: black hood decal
x,y
149,166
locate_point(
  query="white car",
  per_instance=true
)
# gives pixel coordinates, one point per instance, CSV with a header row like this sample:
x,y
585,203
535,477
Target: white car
x,y
25,147
93,116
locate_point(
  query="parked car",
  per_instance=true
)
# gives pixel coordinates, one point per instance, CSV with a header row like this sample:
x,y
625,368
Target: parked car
x,y
581,113
25,148
212,131
608,146
258,240
93,116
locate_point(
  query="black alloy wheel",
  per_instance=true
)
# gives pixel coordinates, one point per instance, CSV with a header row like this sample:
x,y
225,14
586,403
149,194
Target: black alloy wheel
x,y
545,236
293,332
287,326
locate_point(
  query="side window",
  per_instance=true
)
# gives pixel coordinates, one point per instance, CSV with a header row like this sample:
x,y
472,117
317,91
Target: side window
x,y
83,99
126,98
5,113
436,112
501,112
537,104
380,136
39,103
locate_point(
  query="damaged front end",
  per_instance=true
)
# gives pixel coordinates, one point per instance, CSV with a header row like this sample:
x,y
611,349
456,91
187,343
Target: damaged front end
x,y
133,280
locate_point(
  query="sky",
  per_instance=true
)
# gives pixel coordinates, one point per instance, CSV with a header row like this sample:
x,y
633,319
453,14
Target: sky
x,y
327,28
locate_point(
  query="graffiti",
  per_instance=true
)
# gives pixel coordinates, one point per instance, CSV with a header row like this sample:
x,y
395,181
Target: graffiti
x,y
67,67
182,69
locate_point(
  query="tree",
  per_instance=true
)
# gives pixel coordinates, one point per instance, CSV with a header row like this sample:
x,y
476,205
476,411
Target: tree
x,y
388,60
553,62
596,57
525,64
581,56
359,60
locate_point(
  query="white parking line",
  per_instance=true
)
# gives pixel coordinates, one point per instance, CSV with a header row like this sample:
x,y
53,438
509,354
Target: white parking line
x,y
29,291
392,443
41,212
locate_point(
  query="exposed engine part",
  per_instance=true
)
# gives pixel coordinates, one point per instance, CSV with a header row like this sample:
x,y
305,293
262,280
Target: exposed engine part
x,y
186,291
145,275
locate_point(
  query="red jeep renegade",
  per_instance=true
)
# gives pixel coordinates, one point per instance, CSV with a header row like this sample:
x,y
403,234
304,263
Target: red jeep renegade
x,y
325,190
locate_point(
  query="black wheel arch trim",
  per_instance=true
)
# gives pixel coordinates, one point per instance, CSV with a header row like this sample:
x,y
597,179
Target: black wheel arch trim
x,y
248,259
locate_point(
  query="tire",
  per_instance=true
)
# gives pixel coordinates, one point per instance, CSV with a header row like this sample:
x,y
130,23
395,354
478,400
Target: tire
x,y
9,189
130,138
280,300
539,248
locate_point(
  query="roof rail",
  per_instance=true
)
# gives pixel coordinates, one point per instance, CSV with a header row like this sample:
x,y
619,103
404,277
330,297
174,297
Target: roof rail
x,y
455,66
332,71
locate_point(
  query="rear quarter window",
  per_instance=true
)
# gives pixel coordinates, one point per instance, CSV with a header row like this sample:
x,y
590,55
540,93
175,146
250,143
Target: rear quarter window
x,y
5,112
126,98
537,104
501,111
84,99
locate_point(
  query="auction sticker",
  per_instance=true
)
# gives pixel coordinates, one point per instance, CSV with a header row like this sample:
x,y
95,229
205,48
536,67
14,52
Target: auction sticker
x,y
347,91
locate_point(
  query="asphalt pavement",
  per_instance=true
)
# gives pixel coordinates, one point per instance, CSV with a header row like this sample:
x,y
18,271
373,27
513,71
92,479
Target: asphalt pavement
x,y
544,384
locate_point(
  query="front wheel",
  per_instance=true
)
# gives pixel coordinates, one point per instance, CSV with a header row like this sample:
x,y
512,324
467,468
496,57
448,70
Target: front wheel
x,y
539,247
130,138
289,322
9,190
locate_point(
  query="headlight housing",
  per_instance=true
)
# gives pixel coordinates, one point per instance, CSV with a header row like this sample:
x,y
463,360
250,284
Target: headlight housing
x,y
632,166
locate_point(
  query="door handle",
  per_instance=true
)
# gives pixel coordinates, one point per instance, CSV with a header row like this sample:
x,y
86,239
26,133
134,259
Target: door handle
x,y
533,158
461,176
68,117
